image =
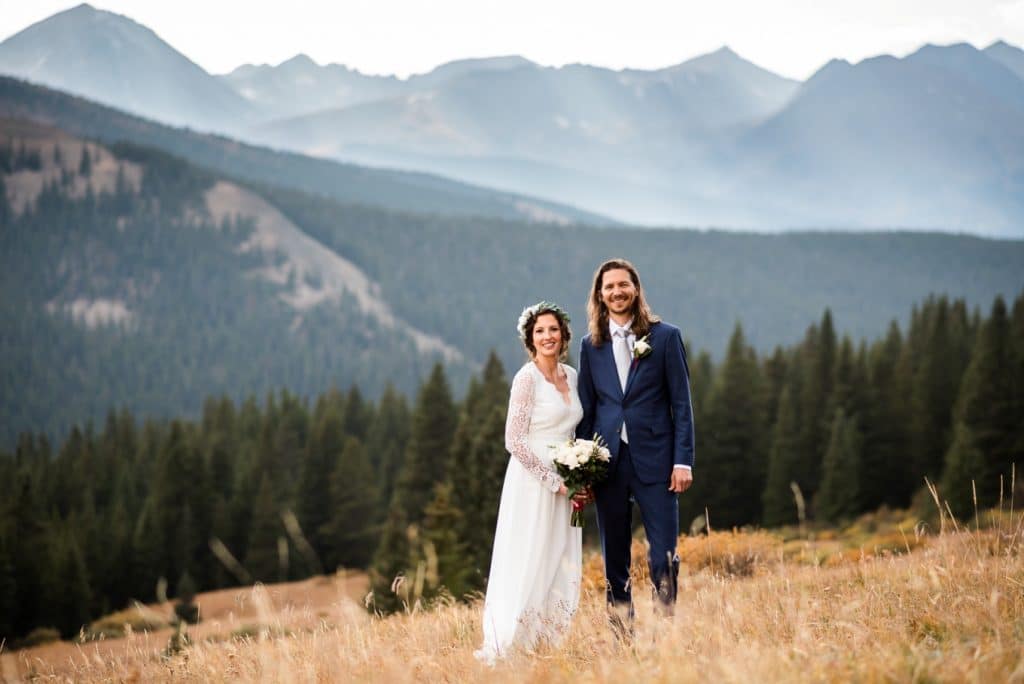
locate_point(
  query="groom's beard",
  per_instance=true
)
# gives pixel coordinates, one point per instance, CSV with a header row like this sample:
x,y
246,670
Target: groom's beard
x,y
618,308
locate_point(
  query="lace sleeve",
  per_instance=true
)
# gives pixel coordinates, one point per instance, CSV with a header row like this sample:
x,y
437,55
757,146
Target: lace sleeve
x,y
517,430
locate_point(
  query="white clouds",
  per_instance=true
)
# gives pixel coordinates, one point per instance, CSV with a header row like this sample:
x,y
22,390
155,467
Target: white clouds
x,y
408,36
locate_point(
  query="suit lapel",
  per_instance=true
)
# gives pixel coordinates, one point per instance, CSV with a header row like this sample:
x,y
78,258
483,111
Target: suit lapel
x,y
634,365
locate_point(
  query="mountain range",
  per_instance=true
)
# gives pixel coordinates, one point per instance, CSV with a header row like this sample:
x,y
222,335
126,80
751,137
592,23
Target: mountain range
x,y
110,58
928,141
149,265
344,182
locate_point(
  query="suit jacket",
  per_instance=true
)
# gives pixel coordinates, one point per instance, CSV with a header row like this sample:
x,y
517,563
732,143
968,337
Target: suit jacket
x,y
655,404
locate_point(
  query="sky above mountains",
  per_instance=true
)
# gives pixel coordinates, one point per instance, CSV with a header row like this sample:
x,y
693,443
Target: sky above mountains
x,y
403,37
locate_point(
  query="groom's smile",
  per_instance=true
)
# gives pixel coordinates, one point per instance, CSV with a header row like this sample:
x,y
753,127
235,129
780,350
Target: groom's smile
x,y
618,291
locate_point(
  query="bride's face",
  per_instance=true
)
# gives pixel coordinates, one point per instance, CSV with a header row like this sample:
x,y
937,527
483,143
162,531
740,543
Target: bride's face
x,y
547,336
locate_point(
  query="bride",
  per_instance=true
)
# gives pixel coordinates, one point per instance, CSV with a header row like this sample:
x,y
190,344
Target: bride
x,y
534,583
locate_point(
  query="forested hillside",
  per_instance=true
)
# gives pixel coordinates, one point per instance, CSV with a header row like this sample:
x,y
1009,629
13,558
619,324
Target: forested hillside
x,y
468,279
134,279
130,279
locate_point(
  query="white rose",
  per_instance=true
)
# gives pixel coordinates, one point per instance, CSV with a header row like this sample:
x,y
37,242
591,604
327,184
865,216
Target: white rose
x,y
566,456
640,348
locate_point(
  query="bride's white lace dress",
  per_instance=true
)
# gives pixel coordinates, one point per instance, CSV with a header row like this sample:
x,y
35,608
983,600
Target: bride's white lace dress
x,y
534,584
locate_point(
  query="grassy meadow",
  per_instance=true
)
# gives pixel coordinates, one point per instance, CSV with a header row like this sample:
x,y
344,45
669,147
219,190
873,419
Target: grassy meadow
x,y
888,598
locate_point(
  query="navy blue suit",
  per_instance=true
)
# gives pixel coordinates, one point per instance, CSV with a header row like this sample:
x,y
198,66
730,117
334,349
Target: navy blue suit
x,y
655,407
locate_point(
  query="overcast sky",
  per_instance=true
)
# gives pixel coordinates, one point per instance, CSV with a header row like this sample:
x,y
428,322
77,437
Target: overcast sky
x,y
790,37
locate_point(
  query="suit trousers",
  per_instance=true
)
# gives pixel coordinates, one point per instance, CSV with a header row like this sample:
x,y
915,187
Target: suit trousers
x,y
659,510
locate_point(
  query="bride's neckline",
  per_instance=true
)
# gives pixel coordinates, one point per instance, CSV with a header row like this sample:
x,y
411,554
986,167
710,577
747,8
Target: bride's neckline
x,y
567,395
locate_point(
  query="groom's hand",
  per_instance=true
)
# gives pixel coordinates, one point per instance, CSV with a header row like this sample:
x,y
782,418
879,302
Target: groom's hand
x,y
681,480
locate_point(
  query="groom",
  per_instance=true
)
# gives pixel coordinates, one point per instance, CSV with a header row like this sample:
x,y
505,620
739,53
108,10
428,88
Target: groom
x,y
635,391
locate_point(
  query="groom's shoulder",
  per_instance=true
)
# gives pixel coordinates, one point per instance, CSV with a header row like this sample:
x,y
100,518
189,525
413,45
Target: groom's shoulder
x,y
663,328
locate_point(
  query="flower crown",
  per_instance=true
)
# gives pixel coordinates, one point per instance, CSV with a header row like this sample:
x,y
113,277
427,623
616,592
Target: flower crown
x,y
531,311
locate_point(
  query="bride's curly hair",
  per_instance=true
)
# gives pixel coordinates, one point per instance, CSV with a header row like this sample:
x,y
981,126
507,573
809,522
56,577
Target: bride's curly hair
x,y
529,318
597,312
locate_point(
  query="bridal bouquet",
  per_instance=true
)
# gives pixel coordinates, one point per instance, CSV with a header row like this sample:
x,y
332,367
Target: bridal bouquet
x,y
582,463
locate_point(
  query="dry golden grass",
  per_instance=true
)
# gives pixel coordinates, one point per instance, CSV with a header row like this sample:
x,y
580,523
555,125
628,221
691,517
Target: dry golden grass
x,y
225,613
950,610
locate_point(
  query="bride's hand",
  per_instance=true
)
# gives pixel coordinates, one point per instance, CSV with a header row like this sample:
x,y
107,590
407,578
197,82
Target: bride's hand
x,y
563,490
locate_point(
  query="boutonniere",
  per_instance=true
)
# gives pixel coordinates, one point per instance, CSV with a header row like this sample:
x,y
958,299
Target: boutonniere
x,y
642,348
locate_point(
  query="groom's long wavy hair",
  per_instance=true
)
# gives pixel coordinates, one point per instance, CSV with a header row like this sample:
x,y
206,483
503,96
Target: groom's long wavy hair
x,y
597,312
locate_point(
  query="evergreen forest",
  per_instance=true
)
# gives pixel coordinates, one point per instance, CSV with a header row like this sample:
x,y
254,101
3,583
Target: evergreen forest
x,y
281,487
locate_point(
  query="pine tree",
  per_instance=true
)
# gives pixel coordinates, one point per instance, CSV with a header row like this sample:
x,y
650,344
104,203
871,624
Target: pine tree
x,y
733,474
116,450
220,463
886,461
986,425
702,376
331,399
8,592
73,477
92,542
358,415
149,554
389,574
182,505
428,453
850,380
816,392
221,443
778,504
702,381
443,552
351,530
387,440
773,371
494,386
463,478
477,470
480,515
839,495
241,505
936,382
1017,373
116,543
71,597
262,560
29,544
315,503
283,444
